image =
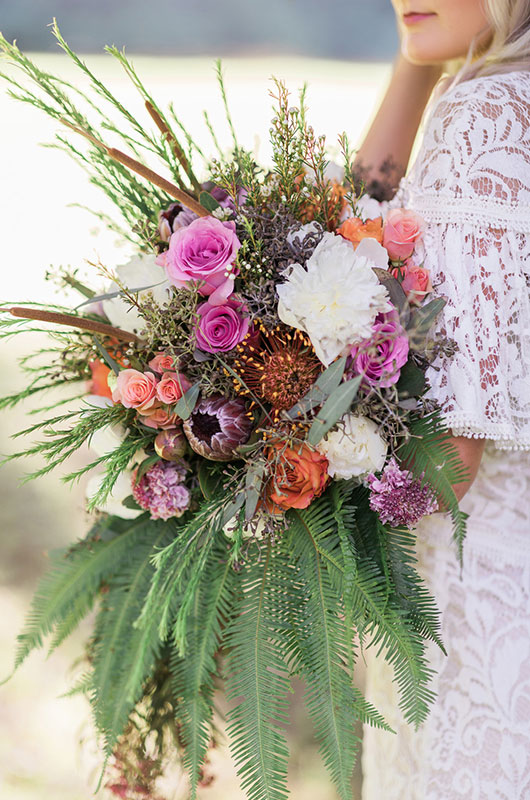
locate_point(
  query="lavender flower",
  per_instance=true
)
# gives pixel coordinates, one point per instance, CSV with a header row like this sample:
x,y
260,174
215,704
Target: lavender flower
x,y
399,498
161,491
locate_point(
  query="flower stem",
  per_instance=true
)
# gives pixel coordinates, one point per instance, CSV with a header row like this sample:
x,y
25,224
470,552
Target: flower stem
x,y
71,321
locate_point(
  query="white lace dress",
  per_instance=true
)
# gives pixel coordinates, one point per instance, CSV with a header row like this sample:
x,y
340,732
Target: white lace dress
x,y
471,183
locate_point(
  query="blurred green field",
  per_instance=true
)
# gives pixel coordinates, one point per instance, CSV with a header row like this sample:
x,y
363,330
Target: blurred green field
x,y
47,750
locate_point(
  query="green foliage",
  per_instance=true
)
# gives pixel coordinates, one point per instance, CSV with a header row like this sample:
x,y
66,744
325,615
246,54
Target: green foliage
x,y
432,457
68,590
193,676
123,653
257,677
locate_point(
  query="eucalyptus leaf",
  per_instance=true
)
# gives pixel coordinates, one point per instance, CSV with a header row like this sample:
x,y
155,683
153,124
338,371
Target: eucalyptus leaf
x,y
208,474
144,466
188,401
422,320
232,508
113,365
253,484
208,201
111,295
325,384
337,404
130,502
397,296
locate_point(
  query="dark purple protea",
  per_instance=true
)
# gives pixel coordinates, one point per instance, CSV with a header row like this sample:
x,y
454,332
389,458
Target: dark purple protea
x,y
399,498
161,490
172,218
217,427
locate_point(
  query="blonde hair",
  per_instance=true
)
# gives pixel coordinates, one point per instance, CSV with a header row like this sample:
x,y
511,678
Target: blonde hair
x,y
509,47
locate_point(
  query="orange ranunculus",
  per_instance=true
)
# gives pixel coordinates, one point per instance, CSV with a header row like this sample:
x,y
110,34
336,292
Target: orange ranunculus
x,y
98,384
355,230
335,205
300,475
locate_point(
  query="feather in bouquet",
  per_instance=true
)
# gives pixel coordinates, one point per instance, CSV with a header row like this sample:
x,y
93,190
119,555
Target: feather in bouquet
x,y
263,441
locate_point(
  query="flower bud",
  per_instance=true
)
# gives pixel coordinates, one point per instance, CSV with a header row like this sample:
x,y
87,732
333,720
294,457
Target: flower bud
x,y
171,445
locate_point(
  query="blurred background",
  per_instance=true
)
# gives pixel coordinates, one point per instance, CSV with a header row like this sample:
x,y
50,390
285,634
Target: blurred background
x,y
343,49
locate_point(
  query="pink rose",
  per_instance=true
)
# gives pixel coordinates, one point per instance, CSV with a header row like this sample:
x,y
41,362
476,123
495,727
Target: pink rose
x,y
162,362
416,282
380,358
203,251
135,389
160,418
171,387
220,328
401,232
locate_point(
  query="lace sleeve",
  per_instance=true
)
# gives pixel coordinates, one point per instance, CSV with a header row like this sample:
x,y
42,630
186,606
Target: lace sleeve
x,y
471,183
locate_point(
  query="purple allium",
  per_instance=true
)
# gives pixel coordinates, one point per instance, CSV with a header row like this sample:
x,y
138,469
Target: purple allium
x,y
399,498
161,491
217,427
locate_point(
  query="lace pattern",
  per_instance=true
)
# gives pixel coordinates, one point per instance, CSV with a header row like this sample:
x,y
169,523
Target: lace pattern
x,y
471,182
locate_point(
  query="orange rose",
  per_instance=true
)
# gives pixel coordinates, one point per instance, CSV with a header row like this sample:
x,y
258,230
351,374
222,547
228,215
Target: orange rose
x,y
300,475
355,230
98,384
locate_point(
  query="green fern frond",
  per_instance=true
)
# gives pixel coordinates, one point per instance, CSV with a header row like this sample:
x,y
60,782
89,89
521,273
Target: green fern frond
x,y
68,590
194,675
124,654
257,678
432,457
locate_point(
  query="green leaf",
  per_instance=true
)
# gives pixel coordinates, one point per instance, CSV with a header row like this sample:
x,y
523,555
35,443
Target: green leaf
x,y
253,484
144,466
185,406
412,382
337,404
398,298
422,320
209,475
208,202
325,384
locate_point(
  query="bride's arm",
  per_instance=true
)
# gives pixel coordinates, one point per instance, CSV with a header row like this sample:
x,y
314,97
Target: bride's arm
x,y
470,452
382,159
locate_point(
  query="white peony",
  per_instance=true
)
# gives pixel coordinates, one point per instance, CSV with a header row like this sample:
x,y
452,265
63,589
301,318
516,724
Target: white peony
x,y
336,299
370,208
114,502
354,449
138,272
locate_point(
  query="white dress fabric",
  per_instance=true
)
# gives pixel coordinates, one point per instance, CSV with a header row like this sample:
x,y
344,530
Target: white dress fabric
x,y
471,184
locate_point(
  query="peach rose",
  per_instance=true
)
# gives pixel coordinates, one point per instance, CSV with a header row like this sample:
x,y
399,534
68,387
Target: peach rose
x,y
300,475
416,282
355,230
158,417
162,362
135,389
171,387
401,232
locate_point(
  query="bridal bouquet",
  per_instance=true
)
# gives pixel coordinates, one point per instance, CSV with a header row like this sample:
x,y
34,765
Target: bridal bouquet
x,y
252,384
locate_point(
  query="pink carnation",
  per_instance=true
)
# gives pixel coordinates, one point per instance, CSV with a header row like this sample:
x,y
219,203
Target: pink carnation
x,y
171,387
221,328
203,252
399,498
135,389
402,231
161,491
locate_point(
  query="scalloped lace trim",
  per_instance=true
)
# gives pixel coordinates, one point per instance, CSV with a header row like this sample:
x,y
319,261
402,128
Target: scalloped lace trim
x,y
501,436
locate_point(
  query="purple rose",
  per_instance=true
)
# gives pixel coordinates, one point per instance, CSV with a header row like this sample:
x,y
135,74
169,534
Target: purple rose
x,y
203,251
220,328
381,357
